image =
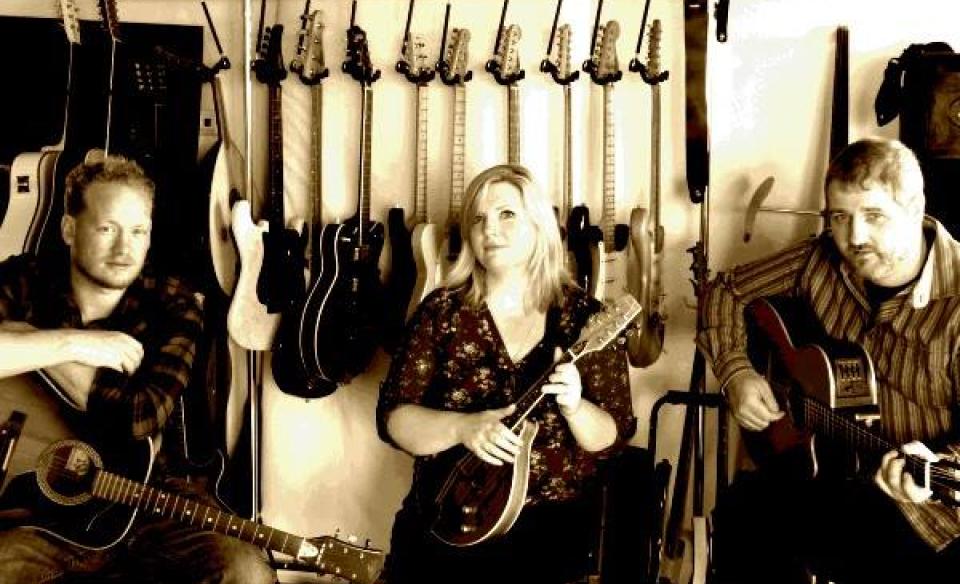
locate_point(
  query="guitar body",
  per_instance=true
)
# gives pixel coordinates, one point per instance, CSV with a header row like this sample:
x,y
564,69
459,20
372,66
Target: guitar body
x,y
643,349
345,301
473,501
426,256
29,206
248,321
836,374
50,419
611,271
581,239
403,276
223,251
450,250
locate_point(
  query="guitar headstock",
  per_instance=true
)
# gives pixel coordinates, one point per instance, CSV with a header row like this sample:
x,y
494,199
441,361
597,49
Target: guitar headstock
x,y
71,22
414,63
603,327
505,65
269,65
308,64
453,69
358,63
557,63
651,71
347,560
109,18
607,67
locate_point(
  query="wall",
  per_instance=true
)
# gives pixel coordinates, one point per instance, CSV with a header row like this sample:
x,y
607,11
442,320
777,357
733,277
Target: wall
x,y
769,93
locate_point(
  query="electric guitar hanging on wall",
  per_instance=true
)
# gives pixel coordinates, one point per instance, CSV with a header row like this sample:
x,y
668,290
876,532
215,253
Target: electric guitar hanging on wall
x,y
581,236
453,72
347,297
254,315
413,244
646,232
610,272
292,361
505,67
31,205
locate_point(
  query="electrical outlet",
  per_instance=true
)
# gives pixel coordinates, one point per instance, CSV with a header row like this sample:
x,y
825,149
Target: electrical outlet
x,y
208,123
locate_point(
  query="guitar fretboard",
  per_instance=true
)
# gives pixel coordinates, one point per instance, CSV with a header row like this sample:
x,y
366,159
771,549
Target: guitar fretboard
x,y
363,204
275,213
459,153
420,183
609,218
316,175
112,487
513,124
567,154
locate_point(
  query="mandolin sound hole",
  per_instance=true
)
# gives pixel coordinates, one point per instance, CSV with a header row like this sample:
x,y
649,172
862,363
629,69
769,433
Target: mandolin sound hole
x,y
66,471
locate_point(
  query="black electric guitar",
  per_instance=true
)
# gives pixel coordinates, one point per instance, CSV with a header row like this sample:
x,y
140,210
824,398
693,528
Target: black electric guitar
x,y
646,231
414,246
472,501
292,362
31,204
345,302
828,390
454,73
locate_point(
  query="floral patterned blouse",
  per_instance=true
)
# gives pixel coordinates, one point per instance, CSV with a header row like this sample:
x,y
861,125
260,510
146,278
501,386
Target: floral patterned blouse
x,y
453,358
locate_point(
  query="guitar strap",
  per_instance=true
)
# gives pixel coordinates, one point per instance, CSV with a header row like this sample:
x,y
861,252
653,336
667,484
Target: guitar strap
x,y
696,17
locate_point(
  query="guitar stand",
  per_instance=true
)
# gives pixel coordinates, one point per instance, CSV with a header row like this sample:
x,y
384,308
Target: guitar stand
x,y
702,401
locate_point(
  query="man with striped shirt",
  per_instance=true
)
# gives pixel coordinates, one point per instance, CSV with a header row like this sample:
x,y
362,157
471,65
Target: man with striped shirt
x,y
119,342
887,277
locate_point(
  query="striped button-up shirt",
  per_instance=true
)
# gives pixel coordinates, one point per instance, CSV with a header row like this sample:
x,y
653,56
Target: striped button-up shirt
x,y
913,339
161,313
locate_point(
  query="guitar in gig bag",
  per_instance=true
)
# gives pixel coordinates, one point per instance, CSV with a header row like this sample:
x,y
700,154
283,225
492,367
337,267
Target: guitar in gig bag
x,y
472,501
73,485
345,302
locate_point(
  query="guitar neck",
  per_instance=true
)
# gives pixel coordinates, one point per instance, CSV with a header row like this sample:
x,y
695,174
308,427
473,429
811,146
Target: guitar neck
x,y
118,489
513,124
824,421
275,214
459,153
420,182
655,169
609,219
363,200
567,153
316,174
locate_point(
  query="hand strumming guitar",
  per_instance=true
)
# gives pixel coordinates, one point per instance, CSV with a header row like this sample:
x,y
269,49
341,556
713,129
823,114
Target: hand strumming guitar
x,y
752,401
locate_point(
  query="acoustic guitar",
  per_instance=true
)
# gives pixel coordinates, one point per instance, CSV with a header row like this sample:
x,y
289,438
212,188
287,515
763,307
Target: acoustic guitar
x,y
472,501
30,208
82,495
829,391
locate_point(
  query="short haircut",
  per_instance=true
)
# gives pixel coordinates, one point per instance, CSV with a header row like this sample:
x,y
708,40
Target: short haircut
x,y
548,272
878,162
111,169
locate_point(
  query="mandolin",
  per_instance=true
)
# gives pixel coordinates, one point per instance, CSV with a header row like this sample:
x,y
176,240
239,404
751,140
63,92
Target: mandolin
x,y
472,501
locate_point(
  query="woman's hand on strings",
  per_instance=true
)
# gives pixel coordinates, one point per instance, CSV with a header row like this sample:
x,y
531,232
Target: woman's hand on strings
x,y
485,435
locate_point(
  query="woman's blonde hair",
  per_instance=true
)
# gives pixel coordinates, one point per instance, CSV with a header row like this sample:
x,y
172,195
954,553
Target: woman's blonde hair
x,y
548,273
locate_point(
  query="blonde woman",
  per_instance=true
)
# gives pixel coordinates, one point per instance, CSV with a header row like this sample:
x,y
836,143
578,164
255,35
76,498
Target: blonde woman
x,y
471,349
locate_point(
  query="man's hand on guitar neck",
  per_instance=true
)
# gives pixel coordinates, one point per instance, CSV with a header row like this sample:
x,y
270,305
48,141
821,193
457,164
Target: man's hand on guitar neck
x,y
751,400
893,479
